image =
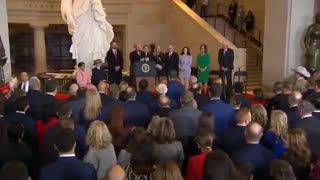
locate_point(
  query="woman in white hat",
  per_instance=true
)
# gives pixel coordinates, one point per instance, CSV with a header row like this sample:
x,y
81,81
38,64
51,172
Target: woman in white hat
x,y
301,75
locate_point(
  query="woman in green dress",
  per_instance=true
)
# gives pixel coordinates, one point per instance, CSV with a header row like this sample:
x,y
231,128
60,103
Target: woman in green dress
x,y
203,61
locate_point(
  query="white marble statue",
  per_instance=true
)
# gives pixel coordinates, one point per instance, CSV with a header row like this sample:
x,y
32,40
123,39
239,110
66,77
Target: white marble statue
x,y
91,33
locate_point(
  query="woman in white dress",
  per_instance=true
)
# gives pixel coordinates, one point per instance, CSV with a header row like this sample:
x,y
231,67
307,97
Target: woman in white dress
x,y
91,33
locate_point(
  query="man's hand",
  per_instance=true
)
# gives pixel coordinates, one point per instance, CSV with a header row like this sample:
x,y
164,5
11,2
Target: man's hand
x,y
117,68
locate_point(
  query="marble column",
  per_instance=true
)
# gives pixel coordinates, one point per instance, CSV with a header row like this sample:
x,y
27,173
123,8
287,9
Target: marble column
x,y
40,54
285,24
5,37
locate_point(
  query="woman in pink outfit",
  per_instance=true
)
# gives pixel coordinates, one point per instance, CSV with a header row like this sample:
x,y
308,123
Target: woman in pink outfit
x,y
82,76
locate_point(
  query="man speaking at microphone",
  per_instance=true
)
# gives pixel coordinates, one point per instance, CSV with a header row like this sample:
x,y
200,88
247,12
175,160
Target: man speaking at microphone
x,y
226,58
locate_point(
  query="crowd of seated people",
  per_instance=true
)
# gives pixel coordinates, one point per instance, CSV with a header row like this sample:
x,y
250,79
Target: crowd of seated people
x,y
113,132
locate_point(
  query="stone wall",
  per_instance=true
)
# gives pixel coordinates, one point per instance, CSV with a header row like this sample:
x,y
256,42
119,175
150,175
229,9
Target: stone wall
x,y
5,36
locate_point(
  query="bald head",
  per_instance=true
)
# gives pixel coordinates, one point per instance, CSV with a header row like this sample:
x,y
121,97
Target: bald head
x,y
115,173
131,93
73,89
253,133
164,101
102,87
294,98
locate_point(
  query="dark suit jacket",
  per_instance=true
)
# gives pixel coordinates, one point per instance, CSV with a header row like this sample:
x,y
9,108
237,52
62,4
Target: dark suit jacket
x,y
109,103
104,98
185,121
175,91
223,114
154,104
201,99
29,126
76,106
134,57
137,113
293,116
50,155
308,93
98,75
162,112
68,168
37,100
172,62
149,55
232,139
311,126
226,60
245,102
278,102
316,115
112,63
144,97
259,156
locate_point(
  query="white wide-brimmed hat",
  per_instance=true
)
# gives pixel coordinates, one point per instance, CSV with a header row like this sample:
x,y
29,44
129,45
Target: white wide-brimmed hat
x,y
302,70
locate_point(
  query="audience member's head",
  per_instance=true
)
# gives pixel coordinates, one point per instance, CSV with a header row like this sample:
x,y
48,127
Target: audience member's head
x,y
205,138
14,170
143,84
73,89
98,136
65,141
117,120
188,99
294,98
64,110
123,96
173,75
131,93
115,172
238,88
246,169
15,132
218,165
196,89
305,108
281,170
167,171
34,83
317,85
22,104
153,125
287,87
243,116
142,161
235,101
258,94
206,121
215,90
66,123
193,81
164,102
123,86
113,91
162,89
253,133
138,136
93,104
259,115
24,76
297,145
279,123
103,87
277,87
51,87
165,132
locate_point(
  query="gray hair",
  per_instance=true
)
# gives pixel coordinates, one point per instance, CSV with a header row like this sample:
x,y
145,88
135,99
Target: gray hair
x,y
306,107
131,93
278,86
73,89
34,83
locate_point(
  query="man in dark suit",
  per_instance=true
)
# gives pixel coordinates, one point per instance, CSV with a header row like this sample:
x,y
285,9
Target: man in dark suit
x,y
238,92
36,98
78,104
185,119
286,91
115,64
103,91
172,61
68,166
233,138
28,123
200,98
316,89
316,103
175,88
111,99
309,125
146,54
223,113
24,84
50,95
253,152
226,59
274,102
14,149
14,170
161,91
137,113
98,74
292,112
135,56
164,108
144,96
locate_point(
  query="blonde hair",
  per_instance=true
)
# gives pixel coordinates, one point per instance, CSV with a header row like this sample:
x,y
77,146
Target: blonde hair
x,y
259,115
165,132
93,104
167,171
153,125
98,135
279,123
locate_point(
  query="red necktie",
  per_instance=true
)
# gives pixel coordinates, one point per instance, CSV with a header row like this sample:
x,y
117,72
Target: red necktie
x,y
115,56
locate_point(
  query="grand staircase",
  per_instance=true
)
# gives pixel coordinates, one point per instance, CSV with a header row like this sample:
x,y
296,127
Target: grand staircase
x,y
254,52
